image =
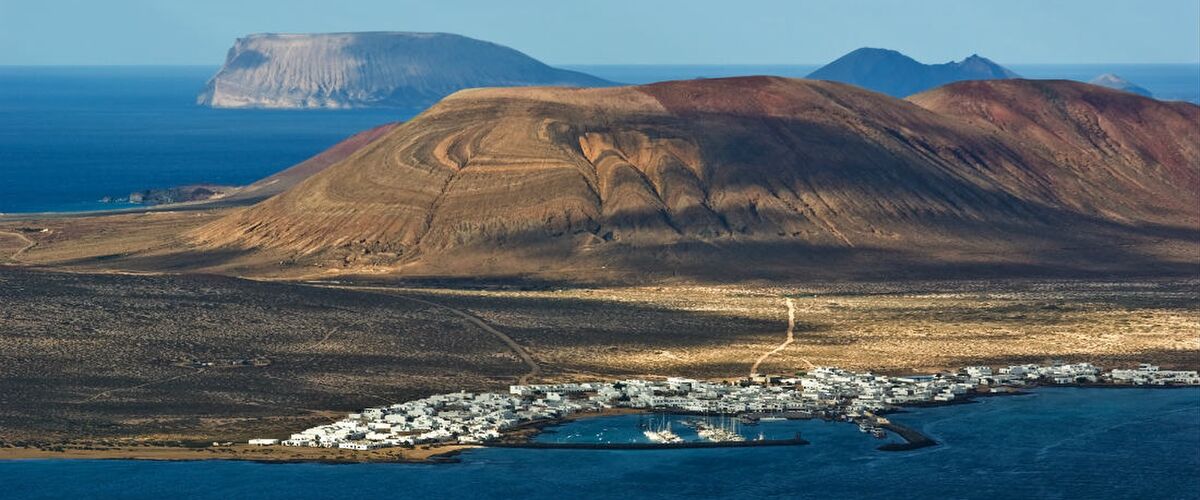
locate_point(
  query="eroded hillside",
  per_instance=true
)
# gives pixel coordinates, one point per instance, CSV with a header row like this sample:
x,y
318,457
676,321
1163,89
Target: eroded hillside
x,y
682,178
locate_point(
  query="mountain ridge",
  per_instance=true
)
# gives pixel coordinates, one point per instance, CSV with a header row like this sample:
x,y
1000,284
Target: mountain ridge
x,y
779,174
898,75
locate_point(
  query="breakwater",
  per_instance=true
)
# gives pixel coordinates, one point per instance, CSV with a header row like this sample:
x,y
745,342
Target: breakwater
x,y
913,439
795,441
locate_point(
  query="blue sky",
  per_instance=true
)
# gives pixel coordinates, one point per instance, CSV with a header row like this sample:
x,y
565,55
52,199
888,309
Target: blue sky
x,y
622,31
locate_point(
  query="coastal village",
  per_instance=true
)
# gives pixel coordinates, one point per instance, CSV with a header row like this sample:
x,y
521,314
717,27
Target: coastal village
x,y
823,392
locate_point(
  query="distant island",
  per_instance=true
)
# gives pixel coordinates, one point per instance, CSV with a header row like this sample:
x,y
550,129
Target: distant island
x,y
373,69
1115,82
898,75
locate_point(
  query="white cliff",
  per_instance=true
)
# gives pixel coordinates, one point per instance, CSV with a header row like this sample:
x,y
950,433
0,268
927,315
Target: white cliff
x,y
386,69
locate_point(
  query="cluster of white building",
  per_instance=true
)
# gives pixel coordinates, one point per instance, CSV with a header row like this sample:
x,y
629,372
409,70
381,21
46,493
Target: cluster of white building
x,y
459,417
1148,374
1057,373
861,392
824,391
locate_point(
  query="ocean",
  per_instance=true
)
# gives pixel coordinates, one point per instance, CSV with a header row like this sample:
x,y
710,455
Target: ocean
x,y
1053,443
1174,82
70,136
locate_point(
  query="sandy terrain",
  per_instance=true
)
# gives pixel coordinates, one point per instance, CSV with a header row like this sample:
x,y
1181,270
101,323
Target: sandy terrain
x,y
706,228
173,360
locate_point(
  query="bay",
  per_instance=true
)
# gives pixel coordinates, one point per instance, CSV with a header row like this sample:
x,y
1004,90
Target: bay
x,y
1053,443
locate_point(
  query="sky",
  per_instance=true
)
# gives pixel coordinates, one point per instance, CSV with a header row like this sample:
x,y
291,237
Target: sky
x,y
122,32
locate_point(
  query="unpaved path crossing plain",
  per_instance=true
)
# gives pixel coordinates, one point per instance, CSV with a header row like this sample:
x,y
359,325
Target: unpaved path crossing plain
x,y
791,328
29,243
518,349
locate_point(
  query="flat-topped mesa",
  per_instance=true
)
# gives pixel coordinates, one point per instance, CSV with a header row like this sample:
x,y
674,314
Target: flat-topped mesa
x,y
385,69
776,175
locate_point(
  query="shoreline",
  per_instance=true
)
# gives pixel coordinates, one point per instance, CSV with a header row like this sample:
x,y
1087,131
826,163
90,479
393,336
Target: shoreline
x,y
518,437
423,454
246,453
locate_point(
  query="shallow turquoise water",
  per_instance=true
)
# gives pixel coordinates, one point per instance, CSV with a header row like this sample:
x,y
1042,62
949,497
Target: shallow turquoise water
x,y
1056,443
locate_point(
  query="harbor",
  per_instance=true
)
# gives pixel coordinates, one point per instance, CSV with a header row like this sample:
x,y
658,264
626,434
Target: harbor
x,y
673,445
827,393
989,452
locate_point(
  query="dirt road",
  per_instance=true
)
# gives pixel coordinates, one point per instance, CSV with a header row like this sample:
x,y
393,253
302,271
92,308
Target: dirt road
x,y
29,243
534,369
791,328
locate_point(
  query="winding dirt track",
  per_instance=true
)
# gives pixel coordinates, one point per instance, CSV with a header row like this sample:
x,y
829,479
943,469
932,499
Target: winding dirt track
x,y
29,243
534,369
791,327
106,393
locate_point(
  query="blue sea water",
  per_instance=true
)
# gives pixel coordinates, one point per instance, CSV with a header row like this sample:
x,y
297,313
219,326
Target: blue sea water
x,y
1175,82
1170,82
649,73
1054,443
71,135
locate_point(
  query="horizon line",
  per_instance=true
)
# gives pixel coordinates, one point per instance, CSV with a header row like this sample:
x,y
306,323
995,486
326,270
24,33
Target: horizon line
x,y
127,65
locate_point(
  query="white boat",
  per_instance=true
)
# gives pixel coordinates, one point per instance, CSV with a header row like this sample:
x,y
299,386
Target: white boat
x,y
663,436
661,433
719,434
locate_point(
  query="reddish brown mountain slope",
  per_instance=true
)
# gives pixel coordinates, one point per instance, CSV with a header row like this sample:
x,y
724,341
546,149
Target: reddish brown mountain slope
x,y
743,177
1135,147
293,175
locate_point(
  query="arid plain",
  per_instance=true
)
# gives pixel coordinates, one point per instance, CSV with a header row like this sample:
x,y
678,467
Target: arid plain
x,y
103,357
702,228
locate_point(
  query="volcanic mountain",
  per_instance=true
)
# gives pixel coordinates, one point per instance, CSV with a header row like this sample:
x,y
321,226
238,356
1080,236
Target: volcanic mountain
x,y
284,180
756,177
347,70
1115,82
898,75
